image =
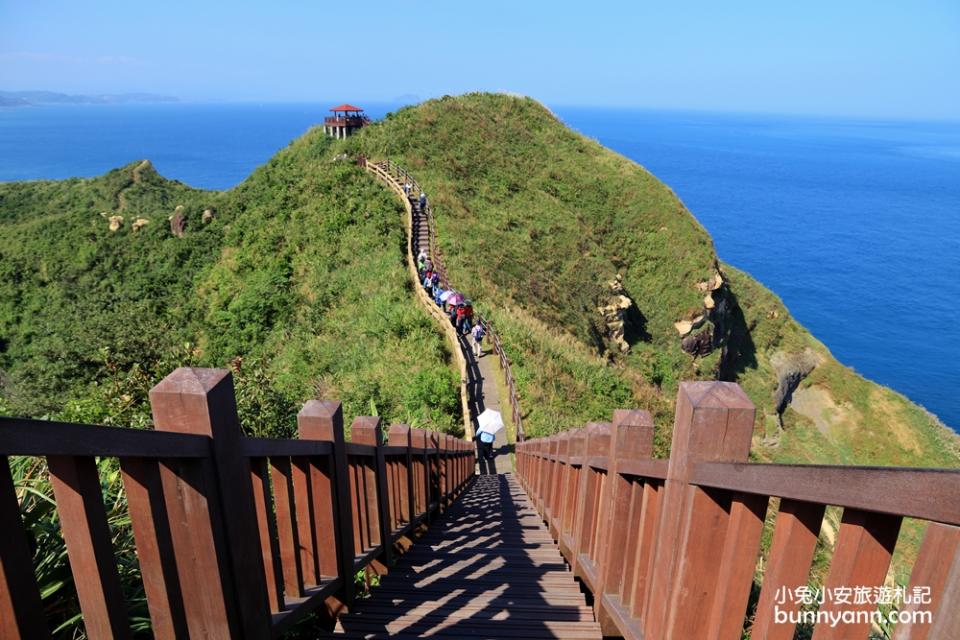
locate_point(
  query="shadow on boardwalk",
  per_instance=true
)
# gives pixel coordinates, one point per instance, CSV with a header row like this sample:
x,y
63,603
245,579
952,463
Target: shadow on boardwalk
x,y
483,393
489,569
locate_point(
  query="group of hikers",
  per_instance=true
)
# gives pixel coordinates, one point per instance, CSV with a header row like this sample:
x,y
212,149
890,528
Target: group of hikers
x,y
453,304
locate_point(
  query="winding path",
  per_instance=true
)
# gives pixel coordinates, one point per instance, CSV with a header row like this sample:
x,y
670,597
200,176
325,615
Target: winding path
x,y
479,388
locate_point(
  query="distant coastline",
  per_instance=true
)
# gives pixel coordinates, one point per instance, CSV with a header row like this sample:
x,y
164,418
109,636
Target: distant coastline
x,y
36,98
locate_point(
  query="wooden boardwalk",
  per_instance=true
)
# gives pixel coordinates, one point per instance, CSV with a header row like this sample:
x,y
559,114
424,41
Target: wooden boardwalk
x,y
481,382
489,569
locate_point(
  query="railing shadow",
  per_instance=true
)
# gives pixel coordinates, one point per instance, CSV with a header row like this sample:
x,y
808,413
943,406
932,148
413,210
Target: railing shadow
x,y
498,574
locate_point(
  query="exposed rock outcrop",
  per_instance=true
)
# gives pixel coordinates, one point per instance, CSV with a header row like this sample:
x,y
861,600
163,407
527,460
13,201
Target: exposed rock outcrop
x,y
791,369
694,319
208,215
614,314
139,223
115,222
178,221
698,344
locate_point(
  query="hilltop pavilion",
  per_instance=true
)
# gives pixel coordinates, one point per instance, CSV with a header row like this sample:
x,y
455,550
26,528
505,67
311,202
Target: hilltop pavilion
x,y
345,120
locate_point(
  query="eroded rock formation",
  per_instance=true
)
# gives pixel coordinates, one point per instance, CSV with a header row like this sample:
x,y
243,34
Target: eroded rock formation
x,y
615,314
178,221
791,369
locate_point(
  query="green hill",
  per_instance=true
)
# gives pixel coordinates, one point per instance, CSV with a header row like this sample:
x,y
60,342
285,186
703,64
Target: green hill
x,y
606,290
295,278
537,222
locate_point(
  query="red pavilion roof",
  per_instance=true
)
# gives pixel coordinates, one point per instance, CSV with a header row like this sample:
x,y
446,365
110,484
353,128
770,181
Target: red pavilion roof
x,y
346,107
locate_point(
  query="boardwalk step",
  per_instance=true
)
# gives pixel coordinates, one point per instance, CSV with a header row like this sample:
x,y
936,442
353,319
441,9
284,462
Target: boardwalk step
x,y
489,569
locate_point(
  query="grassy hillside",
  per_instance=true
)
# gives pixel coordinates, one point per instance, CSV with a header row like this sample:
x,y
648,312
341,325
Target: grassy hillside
x,y
536,221
296,279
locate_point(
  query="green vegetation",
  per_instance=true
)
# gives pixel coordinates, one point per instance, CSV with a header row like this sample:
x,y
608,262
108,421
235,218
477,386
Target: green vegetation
x,y
536,220
297,282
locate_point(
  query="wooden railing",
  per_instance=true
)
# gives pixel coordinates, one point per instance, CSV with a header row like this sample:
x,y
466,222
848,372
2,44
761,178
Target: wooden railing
x,y
396,176
669,548
236,537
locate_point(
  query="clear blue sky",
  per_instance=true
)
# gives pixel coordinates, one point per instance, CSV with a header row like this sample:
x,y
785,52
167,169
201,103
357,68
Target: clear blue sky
x,y
882,58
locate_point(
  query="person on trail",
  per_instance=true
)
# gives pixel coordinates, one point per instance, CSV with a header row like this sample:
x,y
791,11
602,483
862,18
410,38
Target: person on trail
x,y
435,279
437,292
486,444
406,188
423,201
428,282
428,264
422,256
478,334
460,315
453,314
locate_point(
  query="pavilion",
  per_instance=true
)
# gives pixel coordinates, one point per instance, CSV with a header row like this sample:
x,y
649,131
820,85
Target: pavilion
x,y
345,120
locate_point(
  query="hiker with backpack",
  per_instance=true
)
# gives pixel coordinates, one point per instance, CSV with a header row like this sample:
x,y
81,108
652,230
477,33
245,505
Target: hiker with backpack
x,y
478,334
423,201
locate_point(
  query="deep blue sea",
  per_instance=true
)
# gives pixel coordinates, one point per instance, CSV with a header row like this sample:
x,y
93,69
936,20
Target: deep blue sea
x,y
855,224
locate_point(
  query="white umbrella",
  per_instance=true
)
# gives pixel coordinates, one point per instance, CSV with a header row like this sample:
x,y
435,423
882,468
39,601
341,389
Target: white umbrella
x,y
446,295
489,421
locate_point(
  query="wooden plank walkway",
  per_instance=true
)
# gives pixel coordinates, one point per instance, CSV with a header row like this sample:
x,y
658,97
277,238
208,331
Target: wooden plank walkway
x,y
489,569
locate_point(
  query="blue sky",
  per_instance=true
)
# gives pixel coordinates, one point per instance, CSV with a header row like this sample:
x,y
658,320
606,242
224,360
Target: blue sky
x,y
876,58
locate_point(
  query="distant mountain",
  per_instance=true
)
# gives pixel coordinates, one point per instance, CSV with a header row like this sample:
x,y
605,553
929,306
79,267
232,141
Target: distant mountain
x,y
27,98
9,101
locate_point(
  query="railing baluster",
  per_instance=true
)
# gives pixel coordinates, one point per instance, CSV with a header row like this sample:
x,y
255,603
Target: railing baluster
x,y
151,531
937,568
287,531
267,526
83,520
21,610
861,558
791,554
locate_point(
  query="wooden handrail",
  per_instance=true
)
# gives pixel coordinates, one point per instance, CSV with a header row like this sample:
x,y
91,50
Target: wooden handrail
x,y
236,537
669,547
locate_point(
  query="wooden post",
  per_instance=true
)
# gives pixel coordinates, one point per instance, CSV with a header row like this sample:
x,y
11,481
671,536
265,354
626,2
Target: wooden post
x,y
596,447
631,439
21,610
714,422
559,482
399,436
571,498
202,402
323,420
366,430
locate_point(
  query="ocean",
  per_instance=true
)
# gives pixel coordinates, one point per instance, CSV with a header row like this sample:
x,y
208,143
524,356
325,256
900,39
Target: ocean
x,y
855,224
